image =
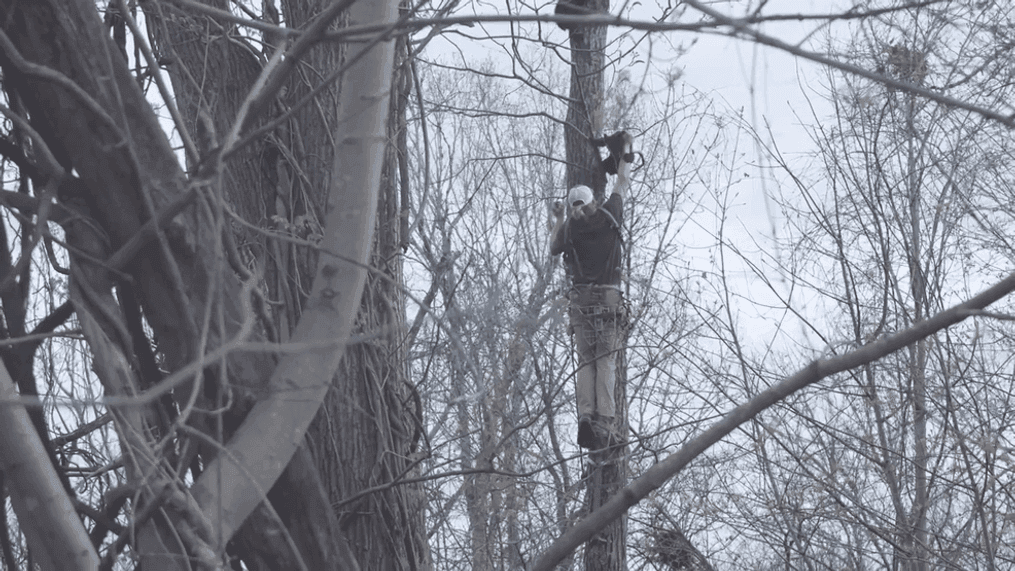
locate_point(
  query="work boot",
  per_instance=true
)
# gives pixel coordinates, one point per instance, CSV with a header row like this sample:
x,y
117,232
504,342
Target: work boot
x,y
586,433
605,432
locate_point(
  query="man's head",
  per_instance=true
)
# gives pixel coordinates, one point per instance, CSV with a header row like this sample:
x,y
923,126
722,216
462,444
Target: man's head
x,y
580,195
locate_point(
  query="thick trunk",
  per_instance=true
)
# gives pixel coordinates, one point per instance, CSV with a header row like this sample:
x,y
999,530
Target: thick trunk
x,y
211,75
369,398
105,131
125,171
114,142
585,108
607,471
366,433
607,474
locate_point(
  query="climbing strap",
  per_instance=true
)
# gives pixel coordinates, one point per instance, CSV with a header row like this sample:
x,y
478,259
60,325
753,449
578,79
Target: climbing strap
x,y
600,302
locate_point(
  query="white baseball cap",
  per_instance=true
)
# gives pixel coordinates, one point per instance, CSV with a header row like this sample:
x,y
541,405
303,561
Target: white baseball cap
x,y
579,194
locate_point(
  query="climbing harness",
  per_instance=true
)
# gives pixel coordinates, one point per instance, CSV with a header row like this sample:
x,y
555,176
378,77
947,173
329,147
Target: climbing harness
x,y
599,306
595,299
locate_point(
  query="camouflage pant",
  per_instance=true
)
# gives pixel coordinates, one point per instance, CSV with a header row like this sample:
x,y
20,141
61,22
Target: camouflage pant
x,y
596,316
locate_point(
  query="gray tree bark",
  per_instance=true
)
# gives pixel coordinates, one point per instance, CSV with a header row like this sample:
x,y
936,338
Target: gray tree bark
x,y
367,434
108,134
607,468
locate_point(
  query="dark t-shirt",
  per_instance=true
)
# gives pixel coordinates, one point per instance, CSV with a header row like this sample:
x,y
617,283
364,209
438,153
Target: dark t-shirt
x,y
592,246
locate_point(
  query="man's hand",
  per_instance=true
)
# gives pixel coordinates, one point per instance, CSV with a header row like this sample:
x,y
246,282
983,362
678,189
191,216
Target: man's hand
x,y
558,209
556,232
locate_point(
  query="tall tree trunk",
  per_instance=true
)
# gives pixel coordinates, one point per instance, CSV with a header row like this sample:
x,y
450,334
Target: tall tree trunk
x,y
105,131
128,172
607,468
211,74
916,556
362,436
366,435
585,107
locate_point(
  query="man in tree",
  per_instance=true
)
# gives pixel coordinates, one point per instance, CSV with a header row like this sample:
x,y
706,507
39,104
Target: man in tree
x,y
591,242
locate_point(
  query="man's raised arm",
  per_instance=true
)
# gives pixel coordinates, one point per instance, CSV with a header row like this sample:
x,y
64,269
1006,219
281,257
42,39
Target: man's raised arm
x,y
557,234
624,169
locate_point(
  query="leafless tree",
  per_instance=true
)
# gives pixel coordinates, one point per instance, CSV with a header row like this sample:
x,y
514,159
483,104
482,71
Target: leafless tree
x,y
94,142
228,216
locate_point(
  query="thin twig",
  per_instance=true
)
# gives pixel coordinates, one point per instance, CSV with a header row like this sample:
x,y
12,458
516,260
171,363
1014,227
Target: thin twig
x,y
741,27
817,370
82,430
34,338
167,95
48,74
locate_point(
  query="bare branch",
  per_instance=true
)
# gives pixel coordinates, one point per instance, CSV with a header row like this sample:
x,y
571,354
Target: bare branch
x,y
275,426
417,24
24,66
740,27
47,518
167,96
669,467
